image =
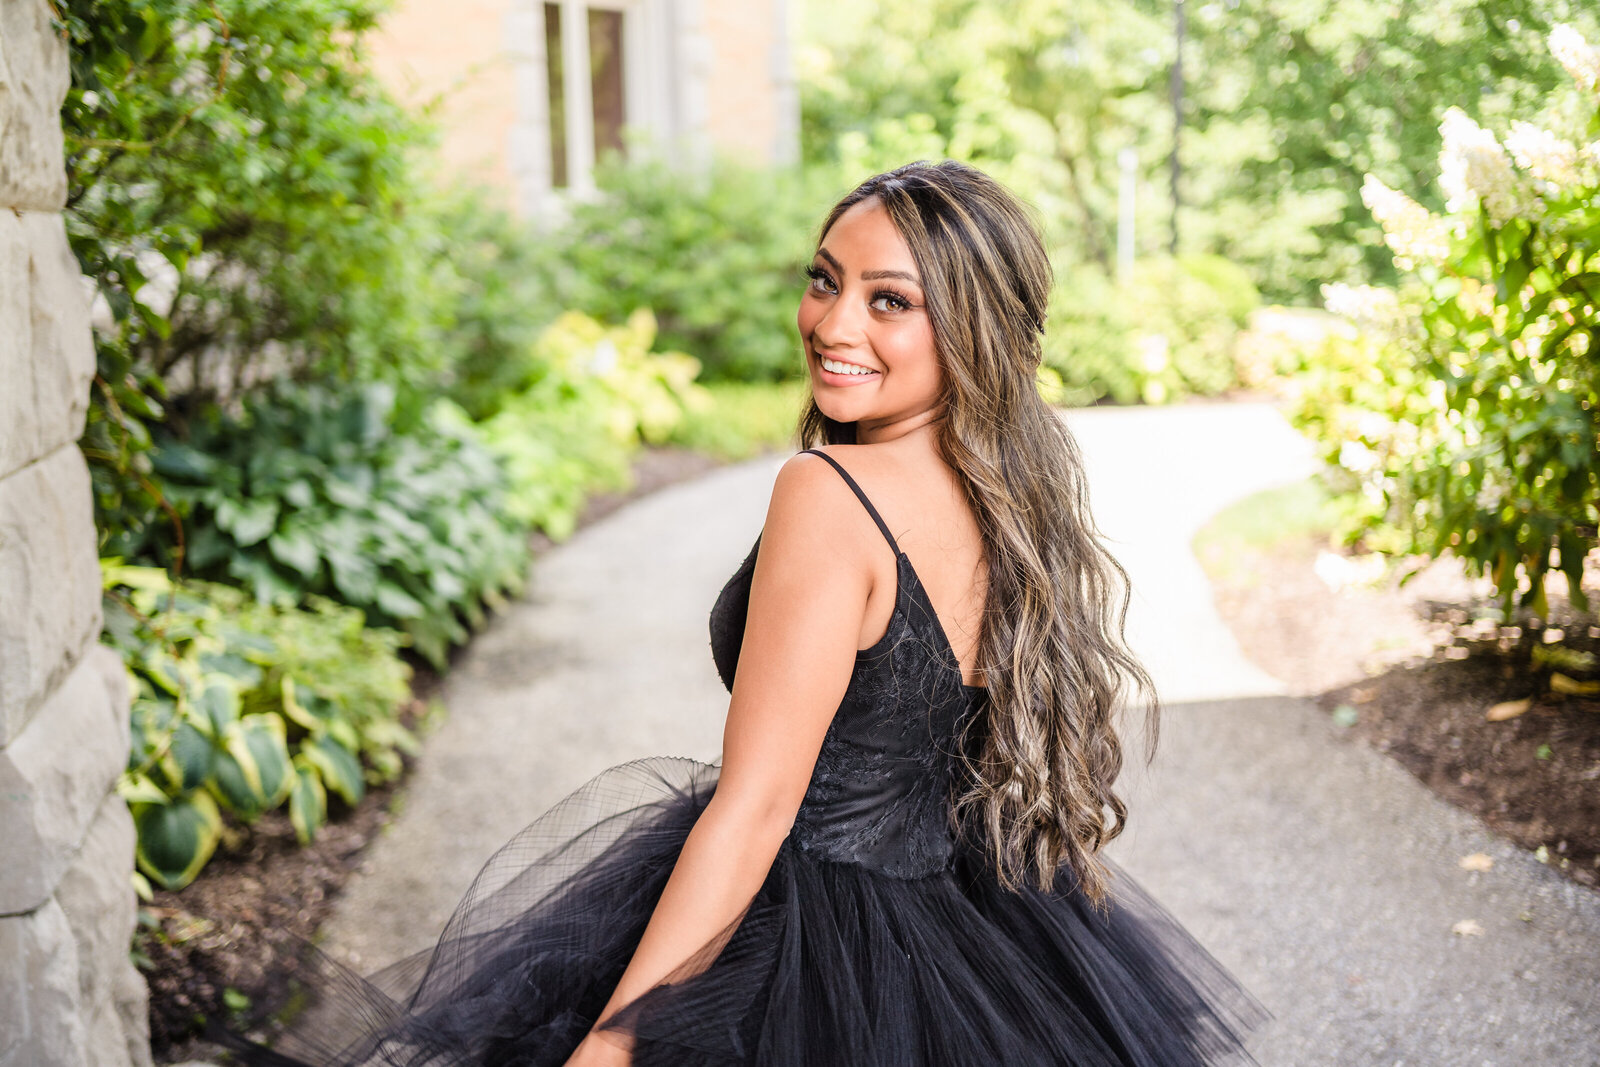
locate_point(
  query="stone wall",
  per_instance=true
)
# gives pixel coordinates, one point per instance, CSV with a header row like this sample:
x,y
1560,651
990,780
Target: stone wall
x,y
68,994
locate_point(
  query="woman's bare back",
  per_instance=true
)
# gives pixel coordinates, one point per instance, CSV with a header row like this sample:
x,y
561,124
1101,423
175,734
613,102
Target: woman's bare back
x,y
926,509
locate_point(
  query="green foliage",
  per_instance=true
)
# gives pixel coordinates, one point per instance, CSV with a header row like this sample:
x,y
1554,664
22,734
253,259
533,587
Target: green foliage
x,y
1359,396
717,258
1088,339
247,705
1295,100
1467,414
502,306
737,420
1198,305
1168,332
1287,103
593,393
312,492
246,200
1042,94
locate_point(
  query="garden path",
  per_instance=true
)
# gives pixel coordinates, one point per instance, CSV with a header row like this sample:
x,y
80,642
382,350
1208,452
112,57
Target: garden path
x,y
1318,870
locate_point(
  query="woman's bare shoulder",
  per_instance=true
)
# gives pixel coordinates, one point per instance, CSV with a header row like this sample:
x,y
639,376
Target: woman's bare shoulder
x,y
812,506
808,489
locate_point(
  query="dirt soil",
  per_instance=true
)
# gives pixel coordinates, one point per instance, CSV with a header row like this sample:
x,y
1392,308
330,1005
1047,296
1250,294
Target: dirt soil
x,y
1413,670
224,947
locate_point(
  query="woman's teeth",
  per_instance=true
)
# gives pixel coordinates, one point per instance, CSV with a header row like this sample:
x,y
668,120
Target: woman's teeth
x,y
843,368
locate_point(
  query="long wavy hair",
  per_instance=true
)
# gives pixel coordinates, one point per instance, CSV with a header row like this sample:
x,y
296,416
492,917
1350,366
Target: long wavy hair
x,y
1052,646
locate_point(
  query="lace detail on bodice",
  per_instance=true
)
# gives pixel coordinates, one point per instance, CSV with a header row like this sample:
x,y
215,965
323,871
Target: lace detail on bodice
x,y
880,793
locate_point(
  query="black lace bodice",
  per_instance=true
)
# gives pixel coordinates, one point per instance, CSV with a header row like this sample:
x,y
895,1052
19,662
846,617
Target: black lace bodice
x,y
881,790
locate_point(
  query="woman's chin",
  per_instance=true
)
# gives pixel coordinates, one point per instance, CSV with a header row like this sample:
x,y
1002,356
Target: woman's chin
x,y
832,410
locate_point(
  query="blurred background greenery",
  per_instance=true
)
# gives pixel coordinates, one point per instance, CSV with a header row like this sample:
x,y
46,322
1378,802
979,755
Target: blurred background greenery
x,y
334,375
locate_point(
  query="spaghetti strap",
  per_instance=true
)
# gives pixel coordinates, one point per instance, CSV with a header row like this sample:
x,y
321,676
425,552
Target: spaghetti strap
x,y
851,482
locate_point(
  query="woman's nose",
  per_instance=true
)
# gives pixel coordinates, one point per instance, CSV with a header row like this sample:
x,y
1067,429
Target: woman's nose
x,y
839,326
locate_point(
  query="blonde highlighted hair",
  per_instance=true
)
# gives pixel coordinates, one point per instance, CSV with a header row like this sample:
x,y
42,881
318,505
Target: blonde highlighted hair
x,y
1052,646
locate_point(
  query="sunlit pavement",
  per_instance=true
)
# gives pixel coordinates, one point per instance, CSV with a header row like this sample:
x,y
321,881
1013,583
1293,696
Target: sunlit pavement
x,y
1321,872
1318,870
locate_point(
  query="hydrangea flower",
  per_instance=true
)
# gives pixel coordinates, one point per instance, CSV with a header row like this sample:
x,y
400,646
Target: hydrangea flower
x,y
1474,168
1368,306
1542,154
1412,232
1575,55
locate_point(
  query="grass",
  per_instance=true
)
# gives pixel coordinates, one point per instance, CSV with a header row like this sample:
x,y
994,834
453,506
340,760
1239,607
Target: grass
x,y
1262,521
742,419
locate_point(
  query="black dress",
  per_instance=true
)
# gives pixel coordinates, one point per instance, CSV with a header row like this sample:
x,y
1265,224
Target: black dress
x,y
877,937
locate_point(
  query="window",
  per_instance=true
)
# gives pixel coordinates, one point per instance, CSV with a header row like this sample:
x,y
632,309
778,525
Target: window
x,y
558,110
586,116
605,74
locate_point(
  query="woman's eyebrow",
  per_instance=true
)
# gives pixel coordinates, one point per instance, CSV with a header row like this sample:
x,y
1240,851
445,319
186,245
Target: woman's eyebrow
x,y
874,275
871,275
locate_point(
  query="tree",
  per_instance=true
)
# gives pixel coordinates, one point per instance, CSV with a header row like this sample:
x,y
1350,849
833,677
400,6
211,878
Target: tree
x,y
243,194
1296,100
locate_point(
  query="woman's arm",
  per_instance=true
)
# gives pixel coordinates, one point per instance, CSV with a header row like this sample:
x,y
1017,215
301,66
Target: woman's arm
x,y
807,599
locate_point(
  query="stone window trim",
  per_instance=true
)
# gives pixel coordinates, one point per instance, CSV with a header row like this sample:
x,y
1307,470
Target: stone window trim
x,y
665,71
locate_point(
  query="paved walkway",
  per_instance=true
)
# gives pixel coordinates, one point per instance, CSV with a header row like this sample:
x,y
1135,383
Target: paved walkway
x,y
1322,873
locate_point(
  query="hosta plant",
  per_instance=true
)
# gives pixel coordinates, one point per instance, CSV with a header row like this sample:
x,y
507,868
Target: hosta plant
x,y
240,707
315,491
594,393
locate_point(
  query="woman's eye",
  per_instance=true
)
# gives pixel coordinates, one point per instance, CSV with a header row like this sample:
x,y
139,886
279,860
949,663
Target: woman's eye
x,y
889,302
819,280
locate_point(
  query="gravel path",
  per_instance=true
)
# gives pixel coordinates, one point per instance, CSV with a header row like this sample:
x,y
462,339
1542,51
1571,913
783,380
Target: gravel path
x,y
1318,870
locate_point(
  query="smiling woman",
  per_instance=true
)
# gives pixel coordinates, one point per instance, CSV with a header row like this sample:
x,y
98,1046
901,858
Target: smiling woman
x,y
897,860
863,323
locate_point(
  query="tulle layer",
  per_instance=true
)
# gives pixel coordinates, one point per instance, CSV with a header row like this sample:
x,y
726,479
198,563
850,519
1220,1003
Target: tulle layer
x,y
832,963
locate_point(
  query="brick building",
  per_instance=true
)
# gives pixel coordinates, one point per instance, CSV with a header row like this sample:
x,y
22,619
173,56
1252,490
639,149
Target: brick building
x,y
532,93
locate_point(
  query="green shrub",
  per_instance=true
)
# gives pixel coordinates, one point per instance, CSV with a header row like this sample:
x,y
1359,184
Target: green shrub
x,y
593,394
1282,342
1198,304
1466,415
502,307
249,203
1166,333
737,420
1088,339
224,690
718,259
308,491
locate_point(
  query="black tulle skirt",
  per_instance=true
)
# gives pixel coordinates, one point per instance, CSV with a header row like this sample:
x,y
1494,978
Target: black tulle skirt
x,y
832,963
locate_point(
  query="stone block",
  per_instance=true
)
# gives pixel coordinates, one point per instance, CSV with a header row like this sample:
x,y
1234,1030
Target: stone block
x,y
99,903
39,1000
133,1011
34,77
54,779
13,989
49,582
46,349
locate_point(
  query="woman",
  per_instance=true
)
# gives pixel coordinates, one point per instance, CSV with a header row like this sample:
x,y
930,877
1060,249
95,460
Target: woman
x,y
897,861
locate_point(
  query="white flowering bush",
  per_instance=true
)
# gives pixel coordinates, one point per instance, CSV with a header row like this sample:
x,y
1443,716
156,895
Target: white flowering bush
x,y
1463,408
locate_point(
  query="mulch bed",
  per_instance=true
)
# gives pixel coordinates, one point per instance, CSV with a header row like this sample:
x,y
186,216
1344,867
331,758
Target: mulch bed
x,y
1417,685
224,947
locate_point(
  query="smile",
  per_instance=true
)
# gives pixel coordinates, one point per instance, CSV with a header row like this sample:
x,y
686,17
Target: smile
x,y
835,366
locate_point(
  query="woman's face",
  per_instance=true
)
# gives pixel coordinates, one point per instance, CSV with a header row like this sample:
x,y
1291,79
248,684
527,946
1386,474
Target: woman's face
x,y
868,340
